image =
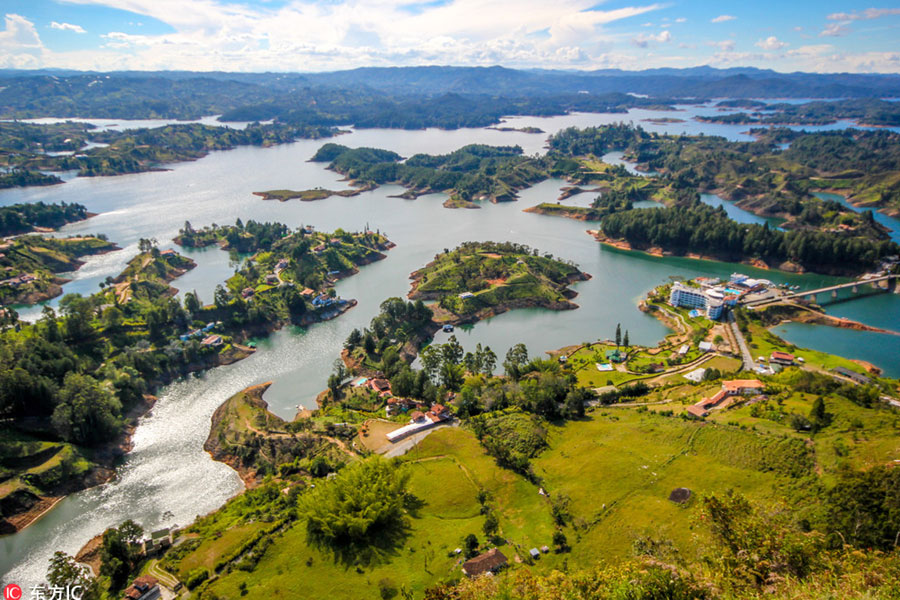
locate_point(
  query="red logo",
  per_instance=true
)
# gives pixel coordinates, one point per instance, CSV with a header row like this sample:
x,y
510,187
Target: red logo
x,y
12,592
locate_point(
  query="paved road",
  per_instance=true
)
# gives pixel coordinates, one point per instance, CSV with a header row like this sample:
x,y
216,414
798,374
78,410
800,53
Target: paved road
x,y
749,365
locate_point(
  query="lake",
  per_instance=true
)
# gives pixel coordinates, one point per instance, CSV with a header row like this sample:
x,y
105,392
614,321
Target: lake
x,y
168,478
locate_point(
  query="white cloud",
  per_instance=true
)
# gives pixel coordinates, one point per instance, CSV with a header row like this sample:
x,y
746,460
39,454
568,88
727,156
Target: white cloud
x,y
869,13
771,43
811,50
680,20
303,36
20,44
643,40
67,26
835,30
723,18
724,45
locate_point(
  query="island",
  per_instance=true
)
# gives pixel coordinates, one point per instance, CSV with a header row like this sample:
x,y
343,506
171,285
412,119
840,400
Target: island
x,y
518,129
30,265
478,280
700,231
469,175
310,195
17,219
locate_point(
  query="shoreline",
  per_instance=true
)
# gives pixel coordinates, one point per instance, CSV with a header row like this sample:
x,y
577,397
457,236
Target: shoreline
x,y
121,445
656,252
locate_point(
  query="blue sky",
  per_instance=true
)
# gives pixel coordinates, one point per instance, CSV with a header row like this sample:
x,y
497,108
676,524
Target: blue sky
x,y
306,35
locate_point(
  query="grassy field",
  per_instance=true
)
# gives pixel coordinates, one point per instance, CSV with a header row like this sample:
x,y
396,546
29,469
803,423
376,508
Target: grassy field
x,y
446,472
619,467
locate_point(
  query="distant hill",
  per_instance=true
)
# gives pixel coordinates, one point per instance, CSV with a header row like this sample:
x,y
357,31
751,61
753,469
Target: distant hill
x,y
188,95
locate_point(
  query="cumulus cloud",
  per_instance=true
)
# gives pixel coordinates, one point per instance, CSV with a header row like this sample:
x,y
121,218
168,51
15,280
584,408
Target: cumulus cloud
x,y
305,36
771,43
643,40
869,13
723,18
20,44
67,26
835,30
723,46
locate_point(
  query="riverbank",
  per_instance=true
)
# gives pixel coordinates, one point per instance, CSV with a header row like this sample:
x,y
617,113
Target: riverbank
x,y
598,235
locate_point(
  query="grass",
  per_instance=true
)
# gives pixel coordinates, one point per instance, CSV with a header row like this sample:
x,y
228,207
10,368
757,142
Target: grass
x,y
763,342
375,432
618,469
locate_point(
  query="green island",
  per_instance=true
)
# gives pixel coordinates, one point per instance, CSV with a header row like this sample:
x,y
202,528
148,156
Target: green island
x,y
479,280
74,383
760,177
701,231
570,485
17,219
310,195
24,147
871,112
30,265
473,173
519,129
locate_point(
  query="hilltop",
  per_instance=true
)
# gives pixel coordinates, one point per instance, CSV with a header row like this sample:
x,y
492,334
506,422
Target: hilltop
x,y
482,279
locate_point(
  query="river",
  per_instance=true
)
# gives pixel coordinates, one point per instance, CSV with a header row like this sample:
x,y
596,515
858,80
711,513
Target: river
x,y
168,478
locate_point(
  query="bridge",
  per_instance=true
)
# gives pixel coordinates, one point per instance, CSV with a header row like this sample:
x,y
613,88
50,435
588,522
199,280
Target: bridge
x,y
889,284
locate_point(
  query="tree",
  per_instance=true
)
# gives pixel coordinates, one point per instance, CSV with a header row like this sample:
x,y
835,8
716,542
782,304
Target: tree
x,y
364,506
146,245
87,412
488,361
818,416
64,572
491,524
560,541
516,357
451,375
452,351
220,297
618,335
625,340
470,545
120,552
192,303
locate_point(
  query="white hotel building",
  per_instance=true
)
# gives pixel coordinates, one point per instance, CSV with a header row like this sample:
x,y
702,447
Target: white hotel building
x,y
711,301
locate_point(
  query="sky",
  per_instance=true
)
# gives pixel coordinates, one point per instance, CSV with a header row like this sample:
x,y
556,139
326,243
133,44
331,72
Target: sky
x,y
310,35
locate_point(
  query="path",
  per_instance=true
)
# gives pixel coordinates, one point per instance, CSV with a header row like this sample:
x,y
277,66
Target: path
x,y
404,446
749,365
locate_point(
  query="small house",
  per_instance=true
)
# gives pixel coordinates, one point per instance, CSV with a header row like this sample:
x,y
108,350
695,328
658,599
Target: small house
x,y
247,292
272,279
490,562
144,587
852,375
466,295
212,341
781,358
534,553
683,350
167,253
706,346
